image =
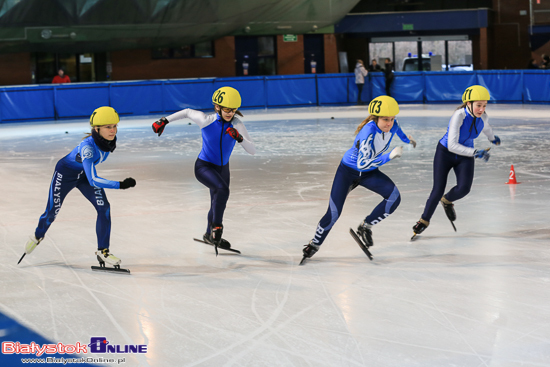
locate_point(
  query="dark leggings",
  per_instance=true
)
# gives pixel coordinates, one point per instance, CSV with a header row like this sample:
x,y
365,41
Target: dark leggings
x,y
444,161
216,178
359,91
347,179
63,181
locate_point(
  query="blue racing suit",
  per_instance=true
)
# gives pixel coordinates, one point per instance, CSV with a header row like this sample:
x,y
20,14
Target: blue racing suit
x,y
77,169
359,167
212,165
456,151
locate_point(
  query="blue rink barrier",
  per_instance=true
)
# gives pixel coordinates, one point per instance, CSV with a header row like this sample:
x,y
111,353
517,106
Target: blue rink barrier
x,y
78,100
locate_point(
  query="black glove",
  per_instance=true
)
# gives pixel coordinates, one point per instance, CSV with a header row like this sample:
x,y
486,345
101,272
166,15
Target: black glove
x,y
158,126
127,183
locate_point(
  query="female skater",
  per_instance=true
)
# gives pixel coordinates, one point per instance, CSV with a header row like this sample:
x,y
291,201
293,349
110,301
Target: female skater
x,y
219,131
77,169
456,151
359,167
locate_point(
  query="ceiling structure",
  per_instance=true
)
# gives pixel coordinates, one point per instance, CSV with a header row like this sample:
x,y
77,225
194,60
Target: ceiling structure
x,y
102,25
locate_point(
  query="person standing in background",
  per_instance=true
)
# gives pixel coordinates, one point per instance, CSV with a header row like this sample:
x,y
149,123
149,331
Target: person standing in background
x,y
61,78
374,66
545,62
360,74
388,71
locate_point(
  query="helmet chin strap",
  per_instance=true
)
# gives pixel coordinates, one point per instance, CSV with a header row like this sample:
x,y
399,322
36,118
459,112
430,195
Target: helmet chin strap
x,y
471,109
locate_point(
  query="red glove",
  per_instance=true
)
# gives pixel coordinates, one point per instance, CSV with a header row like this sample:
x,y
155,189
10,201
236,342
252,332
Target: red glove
x,y
158,126
234,134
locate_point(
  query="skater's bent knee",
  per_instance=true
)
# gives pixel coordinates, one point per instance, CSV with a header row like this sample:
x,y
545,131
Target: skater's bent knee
x,y
393,201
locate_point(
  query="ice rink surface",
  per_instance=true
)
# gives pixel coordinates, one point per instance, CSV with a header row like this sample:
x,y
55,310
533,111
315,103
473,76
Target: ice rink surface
x,y
477,297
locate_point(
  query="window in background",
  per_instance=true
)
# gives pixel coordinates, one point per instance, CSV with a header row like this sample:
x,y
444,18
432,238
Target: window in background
x,y
199,50
86,69
266,56
380,51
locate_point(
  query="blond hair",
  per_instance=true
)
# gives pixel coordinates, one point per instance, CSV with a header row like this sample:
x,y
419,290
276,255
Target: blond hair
x,y
462,106
364,122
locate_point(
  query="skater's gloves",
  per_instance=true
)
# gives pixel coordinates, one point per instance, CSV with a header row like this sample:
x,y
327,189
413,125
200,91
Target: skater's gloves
x,y
396,152
496,141
482,154
413,142
127,183
158,126
234,134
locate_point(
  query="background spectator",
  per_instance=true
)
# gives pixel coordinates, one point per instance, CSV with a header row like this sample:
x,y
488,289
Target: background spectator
x,y
360,74
545,62
388,74
374,66
61,78
532,64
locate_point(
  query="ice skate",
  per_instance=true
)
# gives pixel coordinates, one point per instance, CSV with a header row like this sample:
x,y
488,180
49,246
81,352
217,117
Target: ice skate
x,y
214,238
365,233
30,246
104,256
224,244
419,227
448,206
309,250
363,237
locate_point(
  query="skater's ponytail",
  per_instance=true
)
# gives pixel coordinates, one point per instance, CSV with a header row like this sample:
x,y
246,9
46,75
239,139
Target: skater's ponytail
x,y
462,106
366,121
87,135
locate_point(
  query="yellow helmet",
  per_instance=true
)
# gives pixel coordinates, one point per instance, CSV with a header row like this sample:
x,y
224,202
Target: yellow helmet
x,y
227,97
383,106
104,116
475,93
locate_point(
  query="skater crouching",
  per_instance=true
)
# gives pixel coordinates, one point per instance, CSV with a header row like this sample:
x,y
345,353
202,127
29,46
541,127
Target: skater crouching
x,y
220,131
456,151
359,167
78,170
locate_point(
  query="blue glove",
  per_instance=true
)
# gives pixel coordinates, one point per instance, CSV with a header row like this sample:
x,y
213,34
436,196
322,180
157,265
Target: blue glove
x,y
482,154
496,141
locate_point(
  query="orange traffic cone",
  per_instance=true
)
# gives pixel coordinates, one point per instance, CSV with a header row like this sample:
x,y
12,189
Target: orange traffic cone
x,y
512,178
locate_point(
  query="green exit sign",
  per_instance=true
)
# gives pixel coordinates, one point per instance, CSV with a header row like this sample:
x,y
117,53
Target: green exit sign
x,y
290,38
408,27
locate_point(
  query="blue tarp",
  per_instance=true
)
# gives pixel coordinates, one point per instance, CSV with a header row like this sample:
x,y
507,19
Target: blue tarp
x,y
536,86
137,98
49,102
80,100
291,90
449,86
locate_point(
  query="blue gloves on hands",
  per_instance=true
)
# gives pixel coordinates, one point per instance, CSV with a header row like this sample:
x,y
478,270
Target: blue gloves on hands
x,y
496,141
482,154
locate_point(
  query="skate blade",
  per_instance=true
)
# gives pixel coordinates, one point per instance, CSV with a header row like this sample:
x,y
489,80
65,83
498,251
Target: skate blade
x,y
452,223
360,243
111,270
21,258
217,247
414,236
303,260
